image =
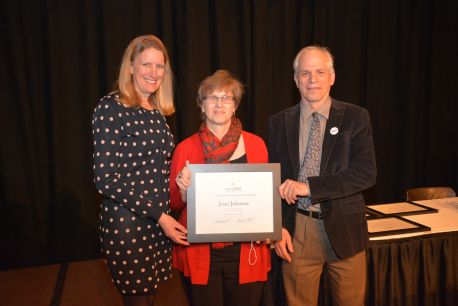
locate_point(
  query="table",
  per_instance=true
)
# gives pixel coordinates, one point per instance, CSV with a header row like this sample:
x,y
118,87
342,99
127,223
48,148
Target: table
x,y
414,269
417,269
445,220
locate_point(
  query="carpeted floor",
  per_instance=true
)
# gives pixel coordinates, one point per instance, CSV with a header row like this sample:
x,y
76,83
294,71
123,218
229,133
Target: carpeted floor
x,y
82,283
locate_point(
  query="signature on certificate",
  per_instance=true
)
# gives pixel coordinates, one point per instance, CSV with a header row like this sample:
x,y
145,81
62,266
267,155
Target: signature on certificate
x,y
222,220
246,220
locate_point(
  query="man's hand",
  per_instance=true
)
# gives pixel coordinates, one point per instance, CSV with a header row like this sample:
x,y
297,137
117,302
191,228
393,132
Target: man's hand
x,y
290,190
284,246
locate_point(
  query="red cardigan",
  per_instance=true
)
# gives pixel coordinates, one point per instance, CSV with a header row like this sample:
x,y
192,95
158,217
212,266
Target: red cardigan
x,y
194,261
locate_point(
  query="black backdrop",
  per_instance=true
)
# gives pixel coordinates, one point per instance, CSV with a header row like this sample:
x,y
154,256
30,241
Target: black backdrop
x,y
396,58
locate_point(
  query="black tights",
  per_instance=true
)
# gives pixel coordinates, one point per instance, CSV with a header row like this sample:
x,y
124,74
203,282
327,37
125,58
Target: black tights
x,y
223,288
138,300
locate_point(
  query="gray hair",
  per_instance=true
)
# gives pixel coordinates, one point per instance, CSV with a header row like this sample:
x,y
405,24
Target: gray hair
x,y
325,50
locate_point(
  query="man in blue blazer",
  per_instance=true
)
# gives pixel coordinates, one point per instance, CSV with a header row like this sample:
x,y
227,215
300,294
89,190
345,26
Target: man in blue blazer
x,y
324,221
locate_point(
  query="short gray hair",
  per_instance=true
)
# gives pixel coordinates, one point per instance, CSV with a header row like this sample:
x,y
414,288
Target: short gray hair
x,y
325,50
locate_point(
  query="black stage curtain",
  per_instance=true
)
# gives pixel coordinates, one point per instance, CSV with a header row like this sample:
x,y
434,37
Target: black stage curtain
x,y
396,58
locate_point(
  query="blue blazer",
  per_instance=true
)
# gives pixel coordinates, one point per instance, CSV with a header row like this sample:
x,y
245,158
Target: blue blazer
x,y
347,168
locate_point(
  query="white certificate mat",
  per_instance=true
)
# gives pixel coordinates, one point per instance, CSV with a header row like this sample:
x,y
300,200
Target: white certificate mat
x,y
388,224
234,202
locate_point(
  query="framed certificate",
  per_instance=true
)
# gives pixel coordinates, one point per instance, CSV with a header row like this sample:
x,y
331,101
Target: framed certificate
x,y
393,225
400,209
234,202
370,214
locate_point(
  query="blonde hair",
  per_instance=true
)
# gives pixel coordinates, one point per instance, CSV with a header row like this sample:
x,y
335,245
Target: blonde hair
x,y
162,99
220,80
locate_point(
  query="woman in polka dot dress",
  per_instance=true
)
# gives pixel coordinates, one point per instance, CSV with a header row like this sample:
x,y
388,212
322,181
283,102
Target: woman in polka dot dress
x,y
132,148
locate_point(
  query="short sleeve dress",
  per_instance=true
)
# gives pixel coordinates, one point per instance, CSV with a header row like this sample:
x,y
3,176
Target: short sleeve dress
x,y
132,149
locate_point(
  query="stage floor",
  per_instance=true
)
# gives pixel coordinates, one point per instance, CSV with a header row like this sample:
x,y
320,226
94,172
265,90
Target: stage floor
x,y
82,283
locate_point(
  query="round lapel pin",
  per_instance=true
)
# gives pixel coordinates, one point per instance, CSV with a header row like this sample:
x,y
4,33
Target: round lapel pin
x,y
334,130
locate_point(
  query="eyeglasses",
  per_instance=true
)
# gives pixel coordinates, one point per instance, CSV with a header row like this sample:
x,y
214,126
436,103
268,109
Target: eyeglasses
x,y
224,99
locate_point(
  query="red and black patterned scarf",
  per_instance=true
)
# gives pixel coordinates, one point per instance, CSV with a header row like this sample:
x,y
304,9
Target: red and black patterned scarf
x,y
219,151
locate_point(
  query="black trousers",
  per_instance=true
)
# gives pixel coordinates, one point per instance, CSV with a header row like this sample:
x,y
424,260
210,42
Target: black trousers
x,y
223,288
274,292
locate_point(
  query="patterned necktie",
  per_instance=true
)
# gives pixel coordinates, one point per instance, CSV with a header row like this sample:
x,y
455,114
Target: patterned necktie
x,y
311,163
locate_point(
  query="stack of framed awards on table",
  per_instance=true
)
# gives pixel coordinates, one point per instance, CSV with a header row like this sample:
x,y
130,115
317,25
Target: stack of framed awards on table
x,y
388,219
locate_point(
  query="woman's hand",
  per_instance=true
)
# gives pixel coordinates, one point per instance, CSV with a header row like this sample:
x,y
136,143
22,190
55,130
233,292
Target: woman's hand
x,y
173,229
183,180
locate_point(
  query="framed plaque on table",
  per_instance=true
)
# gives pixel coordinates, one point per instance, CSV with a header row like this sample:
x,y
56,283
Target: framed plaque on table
x,y
399,209
393,225
372,214
234,202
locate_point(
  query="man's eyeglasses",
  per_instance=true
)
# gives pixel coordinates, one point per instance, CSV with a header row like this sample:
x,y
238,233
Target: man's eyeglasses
x,y
224,99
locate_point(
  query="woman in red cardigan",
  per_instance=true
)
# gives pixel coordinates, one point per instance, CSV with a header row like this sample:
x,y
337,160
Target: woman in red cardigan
x,y
218,273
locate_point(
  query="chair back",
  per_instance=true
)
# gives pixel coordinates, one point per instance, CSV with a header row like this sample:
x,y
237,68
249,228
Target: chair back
x,y
428,193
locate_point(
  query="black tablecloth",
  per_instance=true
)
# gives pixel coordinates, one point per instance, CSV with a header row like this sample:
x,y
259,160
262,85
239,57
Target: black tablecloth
x,y
417,271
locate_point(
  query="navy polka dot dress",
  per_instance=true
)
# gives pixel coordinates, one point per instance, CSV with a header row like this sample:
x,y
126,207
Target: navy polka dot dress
x,y
132,148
